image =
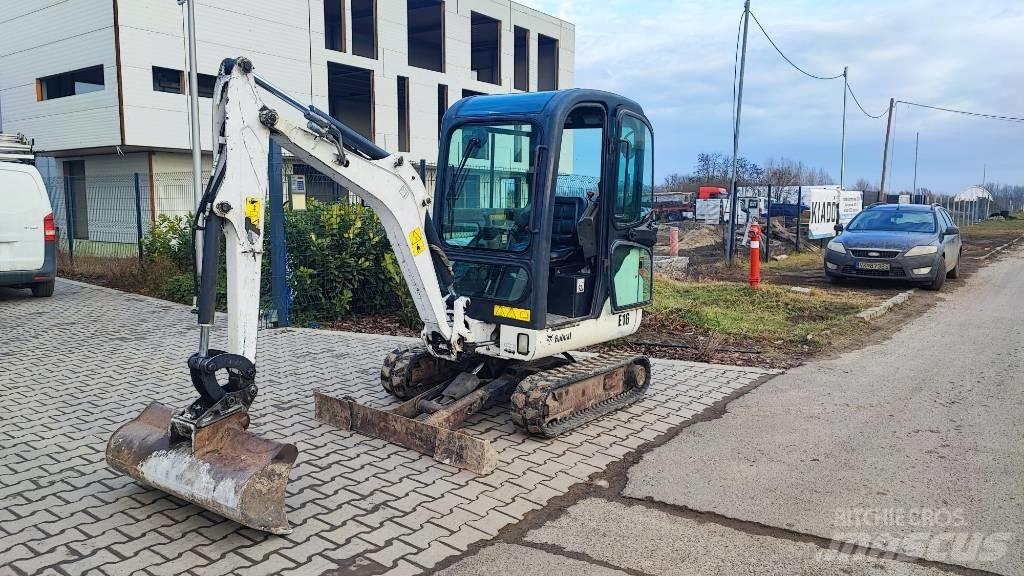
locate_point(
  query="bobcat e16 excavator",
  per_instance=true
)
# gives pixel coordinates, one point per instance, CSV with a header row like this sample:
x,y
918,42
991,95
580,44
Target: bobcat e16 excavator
x,y
514,262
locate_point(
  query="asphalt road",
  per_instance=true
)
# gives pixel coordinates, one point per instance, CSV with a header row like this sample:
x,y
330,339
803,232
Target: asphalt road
x,y
912,446
929,422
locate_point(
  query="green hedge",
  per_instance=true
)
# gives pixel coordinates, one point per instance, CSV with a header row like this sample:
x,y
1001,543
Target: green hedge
x,y
340,263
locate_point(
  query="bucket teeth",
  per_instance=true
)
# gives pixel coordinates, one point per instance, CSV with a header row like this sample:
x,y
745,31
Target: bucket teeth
x,y
222,467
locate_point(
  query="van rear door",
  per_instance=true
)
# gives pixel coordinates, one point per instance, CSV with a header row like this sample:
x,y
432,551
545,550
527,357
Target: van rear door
x,y
23,206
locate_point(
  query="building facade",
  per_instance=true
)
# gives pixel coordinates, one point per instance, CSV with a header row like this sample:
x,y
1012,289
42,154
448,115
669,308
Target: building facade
x,y
101,85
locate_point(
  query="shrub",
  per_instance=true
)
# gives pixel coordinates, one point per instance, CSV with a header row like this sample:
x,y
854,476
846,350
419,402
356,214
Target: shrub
x,y
341,262
170,238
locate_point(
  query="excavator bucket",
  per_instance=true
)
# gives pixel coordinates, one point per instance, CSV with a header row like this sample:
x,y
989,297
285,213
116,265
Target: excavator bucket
x,y
434,435
221,467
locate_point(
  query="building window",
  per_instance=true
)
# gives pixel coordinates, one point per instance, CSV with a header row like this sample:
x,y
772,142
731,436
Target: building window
x,y
71,83
485,48
522,59
206,84
547,63
168,80
442,104
468,93
350,96
426,34
403,114
364,28
334,25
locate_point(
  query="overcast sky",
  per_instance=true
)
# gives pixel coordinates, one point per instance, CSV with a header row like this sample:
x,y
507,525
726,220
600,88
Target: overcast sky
x,y
676,59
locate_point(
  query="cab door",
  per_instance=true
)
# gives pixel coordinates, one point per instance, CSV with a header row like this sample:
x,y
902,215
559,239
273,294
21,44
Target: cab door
x,y
632,233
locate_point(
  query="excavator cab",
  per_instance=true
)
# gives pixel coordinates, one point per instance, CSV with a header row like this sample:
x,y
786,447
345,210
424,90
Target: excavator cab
x,y
543,203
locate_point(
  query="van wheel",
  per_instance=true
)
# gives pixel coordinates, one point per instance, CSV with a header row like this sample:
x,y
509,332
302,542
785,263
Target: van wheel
x,y
955,272
940,278
43,289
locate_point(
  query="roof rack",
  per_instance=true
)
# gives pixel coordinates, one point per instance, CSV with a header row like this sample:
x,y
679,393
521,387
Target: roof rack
x,y
16,148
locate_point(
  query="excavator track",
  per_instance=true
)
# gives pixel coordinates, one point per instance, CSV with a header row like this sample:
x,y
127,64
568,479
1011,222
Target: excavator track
x,y
555,401
412,370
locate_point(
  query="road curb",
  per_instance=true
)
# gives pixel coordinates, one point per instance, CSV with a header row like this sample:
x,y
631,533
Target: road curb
x,y
872,313
999,248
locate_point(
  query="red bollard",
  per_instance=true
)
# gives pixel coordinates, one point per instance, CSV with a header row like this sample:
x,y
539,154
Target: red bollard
x,y
673,241
755,256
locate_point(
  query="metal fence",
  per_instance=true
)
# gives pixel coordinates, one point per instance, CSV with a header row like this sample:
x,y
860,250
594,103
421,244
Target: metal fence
x,y
108,216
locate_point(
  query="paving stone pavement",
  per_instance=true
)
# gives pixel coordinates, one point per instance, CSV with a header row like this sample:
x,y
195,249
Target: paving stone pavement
x,y
76,366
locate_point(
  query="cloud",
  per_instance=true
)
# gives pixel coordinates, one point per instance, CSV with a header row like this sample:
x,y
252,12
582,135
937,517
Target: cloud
x,y
676,59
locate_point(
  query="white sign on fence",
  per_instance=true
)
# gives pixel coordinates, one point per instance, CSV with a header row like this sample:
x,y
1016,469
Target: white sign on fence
x,y
851,202
824,203
709,211
904,198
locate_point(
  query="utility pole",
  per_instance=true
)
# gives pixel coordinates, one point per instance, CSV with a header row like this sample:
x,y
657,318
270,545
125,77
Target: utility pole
x,y
917,140
885,151
731,239
842,160
984,174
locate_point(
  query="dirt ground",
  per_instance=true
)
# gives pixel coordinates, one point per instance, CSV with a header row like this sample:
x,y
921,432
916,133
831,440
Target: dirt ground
x,y
703,245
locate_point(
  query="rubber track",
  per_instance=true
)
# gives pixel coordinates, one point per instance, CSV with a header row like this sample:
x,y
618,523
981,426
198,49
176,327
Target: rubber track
x,y
396,372
529,406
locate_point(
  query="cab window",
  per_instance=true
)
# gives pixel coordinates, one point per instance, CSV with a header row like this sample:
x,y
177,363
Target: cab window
x,y
634,195
488,190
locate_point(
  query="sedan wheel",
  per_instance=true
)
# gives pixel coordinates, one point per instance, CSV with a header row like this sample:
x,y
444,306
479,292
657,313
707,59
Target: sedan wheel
x,y
940,278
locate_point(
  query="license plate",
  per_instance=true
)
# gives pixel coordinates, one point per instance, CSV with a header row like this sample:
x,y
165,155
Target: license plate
x,y
873,265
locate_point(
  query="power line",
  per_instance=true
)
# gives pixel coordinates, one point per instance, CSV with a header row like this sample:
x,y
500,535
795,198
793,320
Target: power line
x,y
786,58
977,114
879,115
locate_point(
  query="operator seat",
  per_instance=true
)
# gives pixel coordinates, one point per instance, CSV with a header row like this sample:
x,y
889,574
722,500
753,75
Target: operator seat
x,y
566,214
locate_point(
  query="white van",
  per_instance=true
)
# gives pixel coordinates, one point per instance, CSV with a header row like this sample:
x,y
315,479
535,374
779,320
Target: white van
x,y
28,236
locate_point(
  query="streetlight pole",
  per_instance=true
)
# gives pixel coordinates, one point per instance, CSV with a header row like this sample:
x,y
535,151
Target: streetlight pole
x,y
731,239
842,154
193,98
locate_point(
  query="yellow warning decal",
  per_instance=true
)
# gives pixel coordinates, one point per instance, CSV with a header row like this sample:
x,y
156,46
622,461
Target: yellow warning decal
x,y
253,211
520,314
416,241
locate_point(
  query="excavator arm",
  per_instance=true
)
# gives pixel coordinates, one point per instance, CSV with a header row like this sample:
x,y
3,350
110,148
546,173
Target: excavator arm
x,y
204,453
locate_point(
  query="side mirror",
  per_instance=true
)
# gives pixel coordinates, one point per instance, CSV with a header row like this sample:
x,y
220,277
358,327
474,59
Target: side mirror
x,y
951,231
838,228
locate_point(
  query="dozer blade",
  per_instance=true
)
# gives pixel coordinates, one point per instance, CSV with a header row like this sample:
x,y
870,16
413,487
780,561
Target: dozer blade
x,y
222,467
398,426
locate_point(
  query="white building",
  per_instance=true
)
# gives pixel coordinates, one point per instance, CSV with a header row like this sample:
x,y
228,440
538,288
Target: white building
x,y
100,85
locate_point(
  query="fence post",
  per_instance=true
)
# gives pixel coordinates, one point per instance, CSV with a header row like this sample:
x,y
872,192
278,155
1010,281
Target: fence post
x,y
278,246
799,213
138,218
69,211
768,227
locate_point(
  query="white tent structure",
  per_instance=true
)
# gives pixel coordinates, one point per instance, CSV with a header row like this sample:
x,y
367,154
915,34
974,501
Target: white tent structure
x,y
973,194
970,205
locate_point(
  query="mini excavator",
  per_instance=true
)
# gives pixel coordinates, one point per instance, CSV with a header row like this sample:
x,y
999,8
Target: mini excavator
x,y
515,260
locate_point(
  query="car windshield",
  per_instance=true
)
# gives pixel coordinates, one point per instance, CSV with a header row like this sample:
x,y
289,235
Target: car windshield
x,y
488,188
893,221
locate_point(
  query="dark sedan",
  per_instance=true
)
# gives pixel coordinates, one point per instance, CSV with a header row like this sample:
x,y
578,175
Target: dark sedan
x,y
910,242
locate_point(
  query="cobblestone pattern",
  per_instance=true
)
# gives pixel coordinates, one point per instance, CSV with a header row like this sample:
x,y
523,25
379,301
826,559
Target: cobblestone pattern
x,y
76,366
